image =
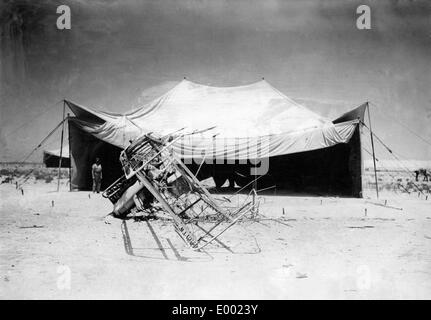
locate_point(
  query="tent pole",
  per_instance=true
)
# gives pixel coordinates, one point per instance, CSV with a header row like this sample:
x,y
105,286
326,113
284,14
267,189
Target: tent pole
x,y
372,146
361,153
61,147
70,153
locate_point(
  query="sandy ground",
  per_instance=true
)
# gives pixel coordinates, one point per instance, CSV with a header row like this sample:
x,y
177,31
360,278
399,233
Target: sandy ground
x,y
58,246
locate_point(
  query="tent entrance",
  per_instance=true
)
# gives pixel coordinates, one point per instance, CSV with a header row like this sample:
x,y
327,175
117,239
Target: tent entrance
x,y
84,149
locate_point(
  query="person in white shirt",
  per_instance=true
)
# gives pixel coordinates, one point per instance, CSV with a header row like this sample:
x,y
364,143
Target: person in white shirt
x,y
96,173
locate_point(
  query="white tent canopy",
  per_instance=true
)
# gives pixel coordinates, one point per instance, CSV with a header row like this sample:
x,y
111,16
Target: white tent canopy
x,y
248,121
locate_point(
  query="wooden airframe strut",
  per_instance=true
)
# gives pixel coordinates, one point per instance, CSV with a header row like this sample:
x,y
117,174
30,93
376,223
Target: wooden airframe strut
x,y
372,146
61,145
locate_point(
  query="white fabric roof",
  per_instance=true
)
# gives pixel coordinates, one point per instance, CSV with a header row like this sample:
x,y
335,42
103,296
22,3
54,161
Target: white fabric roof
x,y
241,116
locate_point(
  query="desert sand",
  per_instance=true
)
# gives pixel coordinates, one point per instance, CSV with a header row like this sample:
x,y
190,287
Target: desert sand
x,y
58,245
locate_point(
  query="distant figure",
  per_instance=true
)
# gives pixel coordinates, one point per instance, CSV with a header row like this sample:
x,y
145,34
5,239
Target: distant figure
x,y
417,175
425,173
96,173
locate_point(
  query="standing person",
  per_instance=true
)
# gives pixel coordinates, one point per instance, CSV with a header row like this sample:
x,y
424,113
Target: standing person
x,y
425,173
417,175
96,173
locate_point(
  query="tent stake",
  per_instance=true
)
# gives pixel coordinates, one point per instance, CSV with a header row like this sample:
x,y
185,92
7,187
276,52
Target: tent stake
x,y
61,147
372,146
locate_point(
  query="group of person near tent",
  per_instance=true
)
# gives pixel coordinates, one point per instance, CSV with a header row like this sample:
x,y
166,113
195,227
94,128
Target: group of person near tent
x,y
422,172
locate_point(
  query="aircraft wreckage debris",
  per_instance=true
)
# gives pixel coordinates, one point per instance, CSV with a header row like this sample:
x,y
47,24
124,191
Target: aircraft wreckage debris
x,y
155,180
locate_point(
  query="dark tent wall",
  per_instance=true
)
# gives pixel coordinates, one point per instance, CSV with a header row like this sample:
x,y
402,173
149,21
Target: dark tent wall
x,y
330,171
53,161
355,160
356,163
319,172
84,149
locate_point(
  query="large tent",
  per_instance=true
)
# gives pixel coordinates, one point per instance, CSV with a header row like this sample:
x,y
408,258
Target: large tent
x,y
226,131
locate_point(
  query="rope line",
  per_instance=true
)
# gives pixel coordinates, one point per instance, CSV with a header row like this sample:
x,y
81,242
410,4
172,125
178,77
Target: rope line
x,y
43,141
404,126
32,119
396,158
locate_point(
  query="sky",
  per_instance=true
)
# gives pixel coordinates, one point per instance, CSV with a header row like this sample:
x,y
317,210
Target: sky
x,y
120,54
